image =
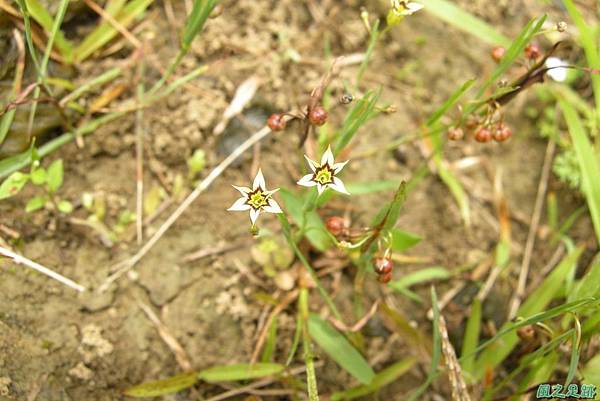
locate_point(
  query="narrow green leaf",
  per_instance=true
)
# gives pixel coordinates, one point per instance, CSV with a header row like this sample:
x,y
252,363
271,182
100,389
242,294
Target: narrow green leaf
x,y
13,184
271,343
35,203
363,110
367,187
43,17
339,349
457,191
381,379
55,175
455,16
589,163
421,276
574,358
451,101
402,240
531,310
588,285
471,337
242,371
105,31
162,387
196,20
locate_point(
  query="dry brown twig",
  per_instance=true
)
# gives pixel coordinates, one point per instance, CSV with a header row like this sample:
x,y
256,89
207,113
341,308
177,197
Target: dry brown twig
x,y
180,355
116,24
457,381
535,220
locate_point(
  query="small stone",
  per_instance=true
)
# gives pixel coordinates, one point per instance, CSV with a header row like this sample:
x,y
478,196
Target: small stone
x,y
81,372
285,280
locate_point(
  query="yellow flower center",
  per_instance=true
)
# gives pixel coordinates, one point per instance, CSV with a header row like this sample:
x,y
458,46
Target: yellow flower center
x,y
257,199
323,175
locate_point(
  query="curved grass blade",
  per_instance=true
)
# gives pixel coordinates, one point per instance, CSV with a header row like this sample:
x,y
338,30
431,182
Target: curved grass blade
x,y
339,349
242,371
162,387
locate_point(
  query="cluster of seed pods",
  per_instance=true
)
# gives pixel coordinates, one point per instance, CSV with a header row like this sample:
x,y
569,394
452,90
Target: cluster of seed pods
x,y
486,132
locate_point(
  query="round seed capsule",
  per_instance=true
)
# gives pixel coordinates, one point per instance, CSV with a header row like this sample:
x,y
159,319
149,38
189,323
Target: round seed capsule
x,y
532,51
276,122
502,133
335,225
483,135
455,134
497,53
385,278
383,265
318,116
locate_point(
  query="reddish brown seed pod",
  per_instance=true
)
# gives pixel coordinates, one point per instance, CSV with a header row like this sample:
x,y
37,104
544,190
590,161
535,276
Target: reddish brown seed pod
x,y
483,135
318,116
502,133
276,122
532,51
497,53
383,265
455,134
335,225
385,278
526,333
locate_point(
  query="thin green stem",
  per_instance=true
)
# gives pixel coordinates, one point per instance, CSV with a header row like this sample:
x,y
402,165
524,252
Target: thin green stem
x,y
311,377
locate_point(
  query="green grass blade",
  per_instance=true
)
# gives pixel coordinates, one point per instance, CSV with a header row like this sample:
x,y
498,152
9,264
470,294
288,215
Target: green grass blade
x,y
381,379
436,353
101,79
105,31
339,349
368,187
363,110
403,240
589,163
455,16
588,41
271,343
451,101
163,387
43,17
531,310
471,337
242,371
420,277
574,354
373,37
457,191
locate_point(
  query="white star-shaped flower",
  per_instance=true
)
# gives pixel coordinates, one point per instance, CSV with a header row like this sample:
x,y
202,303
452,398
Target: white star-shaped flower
x,y
405,7
324,175
256,200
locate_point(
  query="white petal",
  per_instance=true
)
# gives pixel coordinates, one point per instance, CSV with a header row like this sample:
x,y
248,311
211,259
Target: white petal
x,y
414,7
321,188
259,181
311,163
556,73
337,167
239,206
271,192
243,190
272,207
254,215
307,181
338,185
327,157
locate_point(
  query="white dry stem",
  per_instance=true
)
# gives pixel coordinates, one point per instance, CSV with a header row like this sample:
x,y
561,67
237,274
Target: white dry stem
x,y
127,265
21,260
243,95
535,221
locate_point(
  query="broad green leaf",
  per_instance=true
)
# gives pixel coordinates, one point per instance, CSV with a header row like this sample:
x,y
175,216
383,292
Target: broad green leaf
x,y
162,387
242,371
457,17
402,240
339,349
421,276
35,203
315,228
38,176
589,163
55,175
13,184
381,379
65,206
